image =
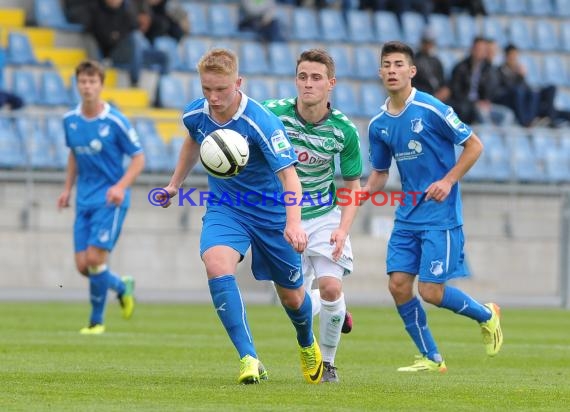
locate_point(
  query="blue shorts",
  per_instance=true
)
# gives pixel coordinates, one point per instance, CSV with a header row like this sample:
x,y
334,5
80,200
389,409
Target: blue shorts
x,y
98,226
435,255
272,257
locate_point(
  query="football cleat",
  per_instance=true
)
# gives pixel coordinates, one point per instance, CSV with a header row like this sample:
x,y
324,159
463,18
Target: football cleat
x,y
347,324
491,330
263,375
93,329
127,299
312,362
329,374
249,370
423,364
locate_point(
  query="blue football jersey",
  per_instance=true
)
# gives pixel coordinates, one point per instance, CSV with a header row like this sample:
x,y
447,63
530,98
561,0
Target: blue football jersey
x,y
256,193
421,139
99,145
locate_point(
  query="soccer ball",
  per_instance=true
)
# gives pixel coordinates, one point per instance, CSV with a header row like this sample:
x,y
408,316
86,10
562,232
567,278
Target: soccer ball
x,y
224,153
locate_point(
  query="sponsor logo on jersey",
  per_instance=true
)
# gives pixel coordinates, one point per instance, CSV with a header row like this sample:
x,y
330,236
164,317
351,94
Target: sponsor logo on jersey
x,y
279,141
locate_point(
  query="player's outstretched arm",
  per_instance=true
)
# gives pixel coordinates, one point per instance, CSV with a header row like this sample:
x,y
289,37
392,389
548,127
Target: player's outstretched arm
x,y
376,181
294,232
187,159
70,176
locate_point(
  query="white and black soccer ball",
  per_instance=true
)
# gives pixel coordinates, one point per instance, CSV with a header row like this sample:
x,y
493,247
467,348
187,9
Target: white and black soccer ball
x,y
224,153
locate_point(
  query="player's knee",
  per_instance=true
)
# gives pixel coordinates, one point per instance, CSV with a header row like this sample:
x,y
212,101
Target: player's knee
x,y
431,293
292,299
331,291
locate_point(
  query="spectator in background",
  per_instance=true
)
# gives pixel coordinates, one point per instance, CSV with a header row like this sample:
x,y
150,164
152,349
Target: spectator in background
x,y
259,16
430,77
77,11
155,19
14,101
473,85
114,25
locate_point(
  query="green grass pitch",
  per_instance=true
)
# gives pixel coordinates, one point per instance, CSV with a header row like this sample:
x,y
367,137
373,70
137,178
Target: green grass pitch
x,y
178,357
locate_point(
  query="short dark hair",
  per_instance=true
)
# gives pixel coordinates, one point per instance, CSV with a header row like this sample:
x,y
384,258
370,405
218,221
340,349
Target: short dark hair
x,y
91,68
318,56
397,47
510,47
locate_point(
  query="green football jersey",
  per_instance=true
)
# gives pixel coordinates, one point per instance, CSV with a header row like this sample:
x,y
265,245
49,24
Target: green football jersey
x,y
316,146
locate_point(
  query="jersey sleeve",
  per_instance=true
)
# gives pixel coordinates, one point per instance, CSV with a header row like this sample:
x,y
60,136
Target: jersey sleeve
x,y
453,128
351,156
129,138
380,153
275,145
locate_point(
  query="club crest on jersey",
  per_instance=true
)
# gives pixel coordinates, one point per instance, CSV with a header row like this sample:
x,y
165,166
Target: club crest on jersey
x,y
295,275
436,267
279,141
417,125
328,144
104,130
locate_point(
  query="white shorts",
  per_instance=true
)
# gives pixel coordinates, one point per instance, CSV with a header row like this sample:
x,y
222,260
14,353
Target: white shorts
x,y
319,232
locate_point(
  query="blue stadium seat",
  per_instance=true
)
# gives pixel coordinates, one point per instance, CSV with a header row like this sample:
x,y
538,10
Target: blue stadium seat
x,y
540,7
387,27
514,7
556,166
285,88
366,62
192,50
545,35
440,26
342,59
281,59
562,8
493,28
252,58
259,89
333,26
73,93
524,162
448,59
171,92
157,156
533,70
52,89
498,157
169,46
305,24
197,18
49,13
493,6
39,150
412,27
12,155
479,171
19,50
554,70
195,88
360,26
344,98
24,85
565,35
56,134
543,140
223,21
466,29
520,33
372,97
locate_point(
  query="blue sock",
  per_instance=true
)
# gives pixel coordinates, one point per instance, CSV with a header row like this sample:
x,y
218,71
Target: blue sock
x,y
302,319
231,311
415,321
459,302
115,283
98,296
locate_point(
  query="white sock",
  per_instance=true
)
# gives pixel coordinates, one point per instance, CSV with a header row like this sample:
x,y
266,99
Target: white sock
x,y
315,295
330,326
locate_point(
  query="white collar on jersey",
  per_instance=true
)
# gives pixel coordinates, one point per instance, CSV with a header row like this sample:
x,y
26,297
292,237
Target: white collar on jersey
x,y
408,100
